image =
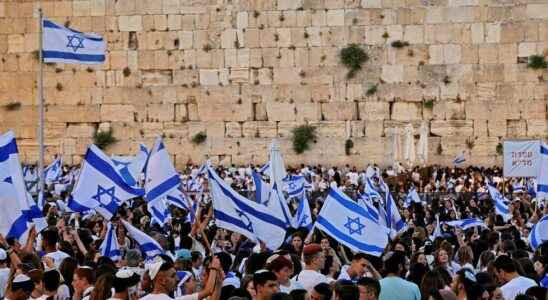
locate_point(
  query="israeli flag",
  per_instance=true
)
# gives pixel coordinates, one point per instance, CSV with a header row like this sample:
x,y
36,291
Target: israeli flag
x,y
295,186
460,159
368,205
539,233
437,230
412,196
262,189
68,46
499,202
54,171
542,181
278,205
159,211
265,168
394,220
149,247
18,208
131,167
517,188
370,190
466,223
276,172
351,225
160,175
303,216
100,186
110,247
236,213
531,187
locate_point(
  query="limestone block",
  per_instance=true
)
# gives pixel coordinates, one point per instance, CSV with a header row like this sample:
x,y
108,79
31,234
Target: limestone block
x,y
484,145
516,128
228,38
488,54
76,114
508,53
213,76
486,91
451,54
532,109
266,129
80,130
527,49
374,110
222,110
308,111
330,128
492,33
239,75
537,128
280,111
406,111
335,17
215,129
160,112
480,128
339,111
512,32
130,23
286,76
414,34
435,15
392,73
478,33
357,128
285,129
496,127
374,35
117,113
157,78
435,52
233,130
537,11
186,39
16,43
452,127
195,128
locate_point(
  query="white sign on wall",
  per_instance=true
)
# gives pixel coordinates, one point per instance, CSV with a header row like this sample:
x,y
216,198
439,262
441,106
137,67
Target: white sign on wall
x,y
521,158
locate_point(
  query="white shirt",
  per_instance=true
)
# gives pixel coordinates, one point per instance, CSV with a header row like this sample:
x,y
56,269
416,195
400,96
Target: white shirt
x,y
4,274
156,297
57,257
293,285
309,279
344,273
516,286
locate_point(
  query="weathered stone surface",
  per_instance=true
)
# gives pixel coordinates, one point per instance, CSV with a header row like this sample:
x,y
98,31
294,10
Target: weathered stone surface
x,y
406,111
452,128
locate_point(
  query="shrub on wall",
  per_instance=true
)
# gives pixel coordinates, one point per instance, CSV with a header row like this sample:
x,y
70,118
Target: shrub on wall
x,y
302,135
353,57
199,138
103,139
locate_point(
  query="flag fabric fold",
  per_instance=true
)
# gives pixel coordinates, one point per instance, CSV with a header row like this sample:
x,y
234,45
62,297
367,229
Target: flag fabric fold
x,y
501,208
148,246
542,181
110,247
465,224
161,178
539,233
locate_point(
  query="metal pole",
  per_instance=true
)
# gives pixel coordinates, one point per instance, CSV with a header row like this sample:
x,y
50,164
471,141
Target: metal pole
x,y
40,93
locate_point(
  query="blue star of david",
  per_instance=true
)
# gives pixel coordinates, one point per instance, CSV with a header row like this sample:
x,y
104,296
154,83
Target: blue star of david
x,y
351,229
304,219
292,186
247,221
75,42
109,192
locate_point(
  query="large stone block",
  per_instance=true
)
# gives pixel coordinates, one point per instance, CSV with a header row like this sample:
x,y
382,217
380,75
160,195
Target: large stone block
x,y
374,110
77,114
117,113
406,111
130,23
80,130
161,112
537,128
452,128
280,111
330,128
339,111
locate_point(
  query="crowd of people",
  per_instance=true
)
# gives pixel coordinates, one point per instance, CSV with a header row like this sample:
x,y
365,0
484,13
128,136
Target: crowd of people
x,y
202,261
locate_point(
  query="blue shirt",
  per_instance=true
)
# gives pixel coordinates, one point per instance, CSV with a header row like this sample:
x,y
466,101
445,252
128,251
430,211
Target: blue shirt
x,y
397,288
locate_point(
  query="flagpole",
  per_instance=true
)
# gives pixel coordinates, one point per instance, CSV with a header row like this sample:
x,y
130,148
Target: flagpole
x,y
40,93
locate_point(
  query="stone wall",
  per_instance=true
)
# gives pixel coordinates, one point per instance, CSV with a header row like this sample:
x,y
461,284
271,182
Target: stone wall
x,y
245,71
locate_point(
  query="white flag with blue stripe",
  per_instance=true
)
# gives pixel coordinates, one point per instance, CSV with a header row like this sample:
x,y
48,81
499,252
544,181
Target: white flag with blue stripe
x,y
100,186
368,205
278,206
539,233
262,189
501,208
110,247
160,175
277,167
265,168
54,171
18,208
236,213
159,211
394,220
412,196
437,231
459,159
294,185
178,199
131,167
351,225
542,181
465,224
68,46
148,246
369,190
303,216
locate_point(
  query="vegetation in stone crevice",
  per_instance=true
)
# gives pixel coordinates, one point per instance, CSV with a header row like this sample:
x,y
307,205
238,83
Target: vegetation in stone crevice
x,y
126,72
428,104
301,137
439,150
12,106
399,44
103,139
199,138
353,57
372,90
537,62
499,149
470,143
348,145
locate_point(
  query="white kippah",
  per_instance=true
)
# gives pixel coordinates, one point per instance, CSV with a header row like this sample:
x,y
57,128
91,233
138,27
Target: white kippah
x,y
21,278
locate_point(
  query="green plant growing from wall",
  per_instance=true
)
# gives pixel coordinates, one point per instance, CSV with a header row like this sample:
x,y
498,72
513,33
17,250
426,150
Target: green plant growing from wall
x,y
302,136
103,139
12,106
399,44
199,138
537,62
499,149
372,90
428,104
439,150
352,57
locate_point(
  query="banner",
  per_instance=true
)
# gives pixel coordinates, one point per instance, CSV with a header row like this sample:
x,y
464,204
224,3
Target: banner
x,y
521,158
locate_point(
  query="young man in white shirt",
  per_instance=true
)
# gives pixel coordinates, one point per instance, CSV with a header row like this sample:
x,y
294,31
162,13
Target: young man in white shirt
x,y
314,260
358,268
4,272
513,283
50,238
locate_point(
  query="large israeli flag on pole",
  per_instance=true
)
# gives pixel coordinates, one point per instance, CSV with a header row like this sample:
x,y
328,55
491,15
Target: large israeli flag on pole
x,y
501,208
54,171
110,247
539,233
236,213
18,207
303,216
148,246
68,46
160,175
100,186
351,225
131,167
542,181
